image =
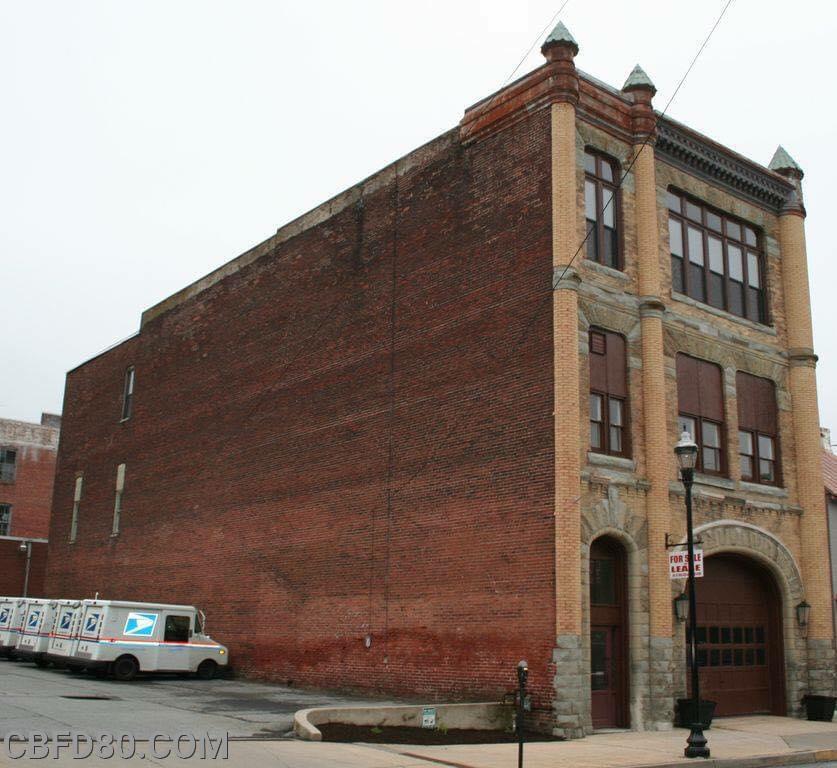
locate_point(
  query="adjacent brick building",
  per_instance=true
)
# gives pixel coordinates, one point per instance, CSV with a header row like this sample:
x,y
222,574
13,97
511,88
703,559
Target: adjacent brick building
x,y
27,472
426,429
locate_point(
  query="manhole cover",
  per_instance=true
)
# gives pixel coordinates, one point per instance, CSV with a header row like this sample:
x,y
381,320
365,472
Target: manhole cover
x,y
90,698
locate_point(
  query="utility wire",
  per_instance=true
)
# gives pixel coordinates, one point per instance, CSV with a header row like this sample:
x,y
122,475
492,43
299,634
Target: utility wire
x,y
529,324
648,137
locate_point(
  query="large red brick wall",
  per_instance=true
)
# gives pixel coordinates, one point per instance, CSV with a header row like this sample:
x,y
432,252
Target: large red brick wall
x,y
13,569
31,493
349,436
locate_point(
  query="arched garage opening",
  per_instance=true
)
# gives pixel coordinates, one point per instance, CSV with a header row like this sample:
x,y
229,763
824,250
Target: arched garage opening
x,y
740,654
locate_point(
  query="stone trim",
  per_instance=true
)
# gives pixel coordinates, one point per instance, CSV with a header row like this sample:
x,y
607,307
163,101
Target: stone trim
x,y
616,462
565,278
681,297
612,516
606,271
688,150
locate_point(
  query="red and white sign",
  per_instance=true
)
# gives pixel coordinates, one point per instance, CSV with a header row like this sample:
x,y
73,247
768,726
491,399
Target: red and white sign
x,y
678,564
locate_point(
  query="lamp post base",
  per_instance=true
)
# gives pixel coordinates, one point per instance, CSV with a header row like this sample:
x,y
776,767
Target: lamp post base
x,y
696,743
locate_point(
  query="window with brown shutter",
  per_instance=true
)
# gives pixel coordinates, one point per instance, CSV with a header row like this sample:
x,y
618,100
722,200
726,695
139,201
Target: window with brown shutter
x,y
608,393
758,429
700,396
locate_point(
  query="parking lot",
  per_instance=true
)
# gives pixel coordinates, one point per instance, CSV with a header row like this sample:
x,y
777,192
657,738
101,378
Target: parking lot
x,y
51,701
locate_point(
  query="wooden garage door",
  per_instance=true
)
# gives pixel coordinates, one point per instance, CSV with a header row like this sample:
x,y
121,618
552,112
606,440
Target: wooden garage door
x,y
739,638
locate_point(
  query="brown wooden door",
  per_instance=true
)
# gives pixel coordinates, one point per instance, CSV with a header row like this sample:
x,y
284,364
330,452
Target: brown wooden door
x,y
739,638
608,635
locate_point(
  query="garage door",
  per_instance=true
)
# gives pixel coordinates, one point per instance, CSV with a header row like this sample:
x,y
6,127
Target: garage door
x,y
739,636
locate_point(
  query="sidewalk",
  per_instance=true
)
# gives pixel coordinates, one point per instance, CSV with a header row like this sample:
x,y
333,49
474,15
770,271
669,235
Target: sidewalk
x,y
744,742
735,741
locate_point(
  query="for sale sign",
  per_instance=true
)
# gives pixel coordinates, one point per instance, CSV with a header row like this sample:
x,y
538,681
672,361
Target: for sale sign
x,y
678,564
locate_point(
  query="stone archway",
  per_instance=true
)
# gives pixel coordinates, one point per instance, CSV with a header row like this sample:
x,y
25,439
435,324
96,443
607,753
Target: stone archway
x,y
737,537
612,518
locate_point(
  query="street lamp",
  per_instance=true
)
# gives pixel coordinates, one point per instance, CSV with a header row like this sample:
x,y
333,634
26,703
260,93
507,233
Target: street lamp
x,y
686,452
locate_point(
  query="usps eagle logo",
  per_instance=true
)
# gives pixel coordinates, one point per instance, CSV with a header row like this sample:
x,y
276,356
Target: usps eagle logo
x,y
140,624
65,621
33,618
92,621
4,616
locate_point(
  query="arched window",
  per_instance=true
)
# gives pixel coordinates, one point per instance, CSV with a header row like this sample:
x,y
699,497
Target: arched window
x,y
601,209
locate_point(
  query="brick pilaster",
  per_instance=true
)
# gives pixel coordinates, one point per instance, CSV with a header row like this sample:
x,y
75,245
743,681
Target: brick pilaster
x,y
658,449
803,389
566,220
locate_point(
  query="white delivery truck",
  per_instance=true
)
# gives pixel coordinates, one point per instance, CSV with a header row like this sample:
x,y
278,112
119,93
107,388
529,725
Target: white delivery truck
x,y
33,639
12,613
64,636
125,638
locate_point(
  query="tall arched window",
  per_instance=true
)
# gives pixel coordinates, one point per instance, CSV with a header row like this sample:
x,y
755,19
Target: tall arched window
x,y
601,209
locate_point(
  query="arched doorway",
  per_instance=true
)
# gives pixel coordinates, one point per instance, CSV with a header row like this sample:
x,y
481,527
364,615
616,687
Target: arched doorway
x,y
608,634
740,637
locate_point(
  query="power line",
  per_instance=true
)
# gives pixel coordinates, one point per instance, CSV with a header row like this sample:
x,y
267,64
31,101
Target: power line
x,y
528,326
648,137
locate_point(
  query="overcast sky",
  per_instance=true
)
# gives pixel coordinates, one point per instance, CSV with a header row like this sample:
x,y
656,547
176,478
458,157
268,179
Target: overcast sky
x,y
144,144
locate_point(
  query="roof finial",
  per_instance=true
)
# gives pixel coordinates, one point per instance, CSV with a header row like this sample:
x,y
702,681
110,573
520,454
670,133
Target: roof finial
x,y
560,36
637,80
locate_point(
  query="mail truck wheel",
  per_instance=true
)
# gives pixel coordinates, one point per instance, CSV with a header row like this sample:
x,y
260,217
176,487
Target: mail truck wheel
x,y
125,668
207,669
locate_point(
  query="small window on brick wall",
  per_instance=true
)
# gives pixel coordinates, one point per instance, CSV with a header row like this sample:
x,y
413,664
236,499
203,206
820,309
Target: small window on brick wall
x,y
758,432
701,408
608,394
8,465
128,393
5,519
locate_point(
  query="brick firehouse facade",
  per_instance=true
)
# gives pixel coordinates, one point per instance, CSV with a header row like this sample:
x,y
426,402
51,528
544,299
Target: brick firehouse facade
x,y
426,429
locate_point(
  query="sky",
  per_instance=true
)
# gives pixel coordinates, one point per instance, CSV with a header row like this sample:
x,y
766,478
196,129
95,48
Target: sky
x,y
144,144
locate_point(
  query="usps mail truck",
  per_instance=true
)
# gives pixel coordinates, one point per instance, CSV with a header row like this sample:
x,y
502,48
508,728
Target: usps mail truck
x,y
125,638
64,636
34,635
12,614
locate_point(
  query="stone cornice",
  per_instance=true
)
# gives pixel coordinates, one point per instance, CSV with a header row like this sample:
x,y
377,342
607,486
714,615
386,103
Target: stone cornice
x,y
698,155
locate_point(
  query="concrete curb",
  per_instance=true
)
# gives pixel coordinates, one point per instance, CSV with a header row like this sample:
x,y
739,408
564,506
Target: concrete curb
x,y
481,716
764,761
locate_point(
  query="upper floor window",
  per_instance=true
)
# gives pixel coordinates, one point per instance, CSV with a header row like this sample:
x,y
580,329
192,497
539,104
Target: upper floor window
x,y
8,465
601,209
5,519
608,394
701,407
715,259
128,393
758,433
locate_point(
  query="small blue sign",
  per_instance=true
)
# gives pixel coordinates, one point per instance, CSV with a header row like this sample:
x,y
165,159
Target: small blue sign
x,y
65,621
92,621
34,617
140,624
4,616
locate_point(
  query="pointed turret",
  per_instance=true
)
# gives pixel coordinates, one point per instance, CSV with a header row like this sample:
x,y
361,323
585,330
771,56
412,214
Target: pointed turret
x,y
560,36
639,80
783,163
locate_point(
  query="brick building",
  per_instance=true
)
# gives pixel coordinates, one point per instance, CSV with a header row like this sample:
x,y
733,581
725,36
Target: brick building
x,y
426,429
27,471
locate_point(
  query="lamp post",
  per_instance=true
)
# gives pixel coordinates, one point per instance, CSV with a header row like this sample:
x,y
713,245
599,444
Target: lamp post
x,y
686,451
